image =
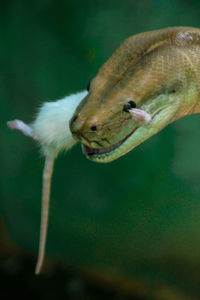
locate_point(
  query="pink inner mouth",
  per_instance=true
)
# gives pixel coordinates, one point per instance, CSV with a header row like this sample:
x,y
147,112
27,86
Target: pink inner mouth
x,y
87,151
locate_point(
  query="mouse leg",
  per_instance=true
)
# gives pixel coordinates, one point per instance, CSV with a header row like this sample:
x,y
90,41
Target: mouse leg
x,y
140,115
21,126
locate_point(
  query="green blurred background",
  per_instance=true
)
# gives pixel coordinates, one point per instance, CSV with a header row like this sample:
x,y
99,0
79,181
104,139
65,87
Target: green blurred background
x,y
133,223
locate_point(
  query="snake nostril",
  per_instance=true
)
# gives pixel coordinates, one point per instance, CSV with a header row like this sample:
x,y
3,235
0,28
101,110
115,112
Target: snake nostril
x,y
74,118
78,134
93,128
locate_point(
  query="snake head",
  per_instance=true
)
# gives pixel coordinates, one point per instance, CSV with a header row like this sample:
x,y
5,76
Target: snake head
x,y
151,74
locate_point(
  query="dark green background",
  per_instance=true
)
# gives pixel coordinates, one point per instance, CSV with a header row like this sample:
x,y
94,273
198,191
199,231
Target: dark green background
x,y
137,218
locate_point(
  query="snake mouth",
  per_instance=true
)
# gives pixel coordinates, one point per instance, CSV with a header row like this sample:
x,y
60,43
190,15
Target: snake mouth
x,y
134,138
90,152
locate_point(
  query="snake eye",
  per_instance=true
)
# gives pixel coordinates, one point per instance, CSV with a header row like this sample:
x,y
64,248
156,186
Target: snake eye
x,y
129,105
93,128
88,86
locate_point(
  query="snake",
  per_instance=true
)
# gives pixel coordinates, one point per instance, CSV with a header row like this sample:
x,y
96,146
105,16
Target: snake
x,y
150,81
157,72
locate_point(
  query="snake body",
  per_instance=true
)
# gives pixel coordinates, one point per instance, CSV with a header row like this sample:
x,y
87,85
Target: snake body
x,y
159,71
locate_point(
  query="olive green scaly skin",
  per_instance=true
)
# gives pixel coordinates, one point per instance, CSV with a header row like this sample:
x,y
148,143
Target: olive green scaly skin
x,y
160,71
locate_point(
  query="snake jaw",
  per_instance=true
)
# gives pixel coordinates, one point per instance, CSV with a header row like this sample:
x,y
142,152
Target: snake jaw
x,y
87,151
138,115
161,118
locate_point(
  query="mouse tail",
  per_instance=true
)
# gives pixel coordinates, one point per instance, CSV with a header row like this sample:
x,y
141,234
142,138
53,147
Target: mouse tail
x,y
47,175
